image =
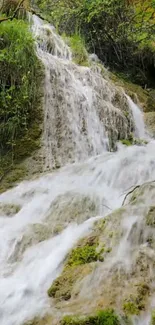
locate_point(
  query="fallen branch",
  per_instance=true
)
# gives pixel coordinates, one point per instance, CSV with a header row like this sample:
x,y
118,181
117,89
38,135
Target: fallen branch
x,y
135,188
104,205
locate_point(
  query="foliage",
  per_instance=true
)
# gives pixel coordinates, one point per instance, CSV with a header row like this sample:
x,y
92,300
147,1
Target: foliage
x,y
77,265
104,317
80,55
20,91
120,32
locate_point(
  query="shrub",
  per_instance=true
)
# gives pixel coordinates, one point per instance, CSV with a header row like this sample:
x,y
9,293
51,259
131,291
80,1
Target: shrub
x,y
20,89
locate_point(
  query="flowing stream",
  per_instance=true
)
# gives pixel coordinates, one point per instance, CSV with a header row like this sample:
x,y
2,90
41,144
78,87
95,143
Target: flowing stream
x,y
29,264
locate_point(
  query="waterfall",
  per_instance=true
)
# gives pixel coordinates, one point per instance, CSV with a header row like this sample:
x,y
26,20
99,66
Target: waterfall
x,y
82,111
140,131
85,114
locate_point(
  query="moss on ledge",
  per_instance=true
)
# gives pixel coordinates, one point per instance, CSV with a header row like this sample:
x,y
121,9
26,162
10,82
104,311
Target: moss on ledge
x,y
61,288
104,317
77,265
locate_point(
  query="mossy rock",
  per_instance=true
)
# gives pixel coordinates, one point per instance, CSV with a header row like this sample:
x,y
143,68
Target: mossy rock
x,y
84,254
130,308
150,105
62,287
136,92
149,119
104,317
72,207
9,209
75,269
136,303
153,318
46,320
12,177
133,141
150,218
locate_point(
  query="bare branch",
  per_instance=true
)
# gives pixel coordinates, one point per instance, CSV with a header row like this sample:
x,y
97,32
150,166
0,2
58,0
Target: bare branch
x,y
14,14
135,188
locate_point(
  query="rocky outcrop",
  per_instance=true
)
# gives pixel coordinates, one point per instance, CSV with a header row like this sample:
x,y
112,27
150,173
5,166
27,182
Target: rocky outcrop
x,y
123,277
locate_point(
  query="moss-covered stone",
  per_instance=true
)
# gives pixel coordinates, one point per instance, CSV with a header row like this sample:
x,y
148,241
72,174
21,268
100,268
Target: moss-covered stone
x,y
153,318
12,177
84,254
136,92
150,218
133,141
46,320
126,142
9,209
136,302
104,317
72,207
62,287
149,119
130,308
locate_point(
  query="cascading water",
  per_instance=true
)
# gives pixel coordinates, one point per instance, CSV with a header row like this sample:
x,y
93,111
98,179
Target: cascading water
x,y
82,109
140,131
78,105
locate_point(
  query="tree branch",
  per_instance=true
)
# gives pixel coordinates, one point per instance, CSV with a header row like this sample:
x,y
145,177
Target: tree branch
x,y
135,188
14,14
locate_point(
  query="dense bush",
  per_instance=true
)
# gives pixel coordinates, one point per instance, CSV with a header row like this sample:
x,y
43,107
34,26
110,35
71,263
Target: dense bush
x,y
20,86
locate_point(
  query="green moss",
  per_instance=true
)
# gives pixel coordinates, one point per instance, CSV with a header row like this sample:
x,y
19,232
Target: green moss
x,y
126,142
153,318
80,55
104,317
100,224
77,266
136,303
130,308
139,142
84,254
133,141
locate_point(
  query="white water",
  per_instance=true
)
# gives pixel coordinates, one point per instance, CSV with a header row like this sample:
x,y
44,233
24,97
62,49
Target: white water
x,y
140,131
24,280
82,109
